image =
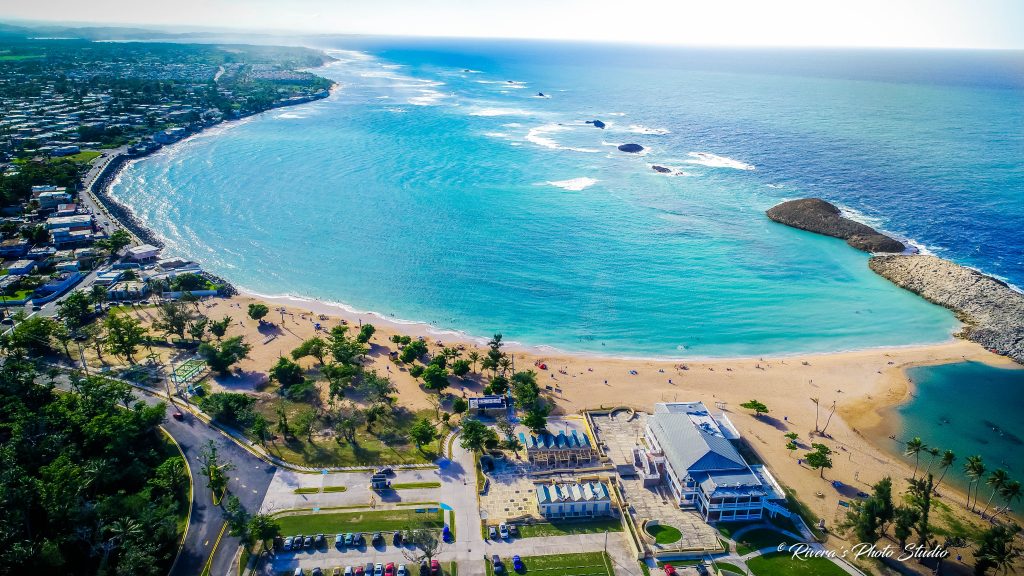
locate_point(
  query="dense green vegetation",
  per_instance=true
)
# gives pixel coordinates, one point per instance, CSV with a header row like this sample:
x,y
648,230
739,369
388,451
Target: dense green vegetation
x,y
88,484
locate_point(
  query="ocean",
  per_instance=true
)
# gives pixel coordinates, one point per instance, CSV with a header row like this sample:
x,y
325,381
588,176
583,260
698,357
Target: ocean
x,y
969,408
458,183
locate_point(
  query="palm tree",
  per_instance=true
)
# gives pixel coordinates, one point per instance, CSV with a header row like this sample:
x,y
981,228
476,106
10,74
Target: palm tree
x,y
505,365
933,451
996,480
1009,492
974,467
948,457
914,448
120,530
474,357
829,419
815,400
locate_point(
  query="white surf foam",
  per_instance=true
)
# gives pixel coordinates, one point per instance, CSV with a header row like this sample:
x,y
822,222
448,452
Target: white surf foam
x,y
496,134
715,161
540,136
641,129
574,184
504,83
491,112
427,98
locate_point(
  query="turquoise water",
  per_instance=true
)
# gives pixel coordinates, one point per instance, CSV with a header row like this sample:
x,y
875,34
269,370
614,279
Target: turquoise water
x,y
430,188
969,408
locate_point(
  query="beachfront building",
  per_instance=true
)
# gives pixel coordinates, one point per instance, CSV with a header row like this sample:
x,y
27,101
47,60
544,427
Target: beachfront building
x,y
128,290
587,499
703,468
492,405
143,252
561,450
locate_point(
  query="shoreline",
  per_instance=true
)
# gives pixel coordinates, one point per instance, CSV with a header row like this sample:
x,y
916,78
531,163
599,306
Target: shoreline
x,y
850,373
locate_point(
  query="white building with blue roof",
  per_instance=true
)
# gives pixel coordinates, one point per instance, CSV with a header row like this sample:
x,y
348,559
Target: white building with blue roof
x,y
559,449
584,499
702,467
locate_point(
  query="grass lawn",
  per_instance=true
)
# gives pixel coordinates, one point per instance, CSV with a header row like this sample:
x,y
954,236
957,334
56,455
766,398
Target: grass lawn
x,y
727,567
664,534
782,564
20,294
387,443
412,485
308,490
561,527
83,157
335,488
366,521
583,564
760,538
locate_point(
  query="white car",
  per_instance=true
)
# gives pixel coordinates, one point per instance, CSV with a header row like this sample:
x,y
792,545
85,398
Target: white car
x,y
503,530
378,569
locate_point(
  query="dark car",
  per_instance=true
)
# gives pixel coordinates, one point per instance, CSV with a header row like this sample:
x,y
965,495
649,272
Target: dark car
x,y
378,538
316,572
496,563
349,539
396,539
339,540
359,539
387,471
178,416
517,563
513,529
424,569
308,542
319,540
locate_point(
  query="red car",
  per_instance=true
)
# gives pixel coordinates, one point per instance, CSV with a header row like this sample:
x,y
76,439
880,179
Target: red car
x,y
435,568
178,416
670,570
389,570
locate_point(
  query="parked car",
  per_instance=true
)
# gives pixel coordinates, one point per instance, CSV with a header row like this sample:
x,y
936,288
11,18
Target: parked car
x,y
287,544
360,571
319,540
513,529
503,530
517,563
359,539
497,565
389,570
378,569
349,539
317,572
308,542
435,568
670,570
396,538
339,540
297,542
378,538
298,572
387,470
424,569
402,571
492,532
349,571
446,534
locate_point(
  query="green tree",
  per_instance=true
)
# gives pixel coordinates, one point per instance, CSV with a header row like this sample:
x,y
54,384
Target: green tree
x,y
220,327
75,309
537,417
116,242
474,434
173,317
995,481
304,422
460,367
974,468
225,354
423,432
287,373
213,469
996,549
903,526
914,448
170,476
819,459
257,311
197,327
238,521
919,494
435,378
124,335
758,407
948,457
365,333
264,528
459,405
315,347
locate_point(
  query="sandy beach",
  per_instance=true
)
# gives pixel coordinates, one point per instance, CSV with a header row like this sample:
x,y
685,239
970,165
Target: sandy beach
x,y
863,384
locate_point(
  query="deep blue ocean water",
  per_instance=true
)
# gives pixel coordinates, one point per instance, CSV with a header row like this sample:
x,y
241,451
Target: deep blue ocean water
x,y
437,185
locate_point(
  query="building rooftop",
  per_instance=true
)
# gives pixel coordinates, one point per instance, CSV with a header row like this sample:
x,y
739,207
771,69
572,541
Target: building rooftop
x,y
584,492
692,440
560,441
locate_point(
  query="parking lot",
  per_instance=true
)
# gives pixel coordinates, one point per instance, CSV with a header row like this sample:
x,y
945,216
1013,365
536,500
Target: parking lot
x,y
328,557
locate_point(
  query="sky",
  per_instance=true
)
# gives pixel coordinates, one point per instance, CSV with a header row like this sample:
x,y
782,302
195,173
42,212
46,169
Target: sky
x,y
859,23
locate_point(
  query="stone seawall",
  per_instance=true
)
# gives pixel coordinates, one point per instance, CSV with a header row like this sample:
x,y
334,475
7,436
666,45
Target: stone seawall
x,y
992,311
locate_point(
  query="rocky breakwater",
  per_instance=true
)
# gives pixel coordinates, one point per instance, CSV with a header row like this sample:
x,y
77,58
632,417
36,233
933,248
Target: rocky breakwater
x,y
817,215
992,311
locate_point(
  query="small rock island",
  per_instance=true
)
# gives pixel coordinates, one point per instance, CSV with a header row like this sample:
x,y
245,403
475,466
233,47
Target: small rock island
x,y
631,148
817,215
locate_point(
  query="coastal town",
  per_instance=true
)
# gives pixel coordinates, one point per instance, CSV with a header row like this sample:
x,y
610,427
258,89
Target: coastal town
x,y
316,440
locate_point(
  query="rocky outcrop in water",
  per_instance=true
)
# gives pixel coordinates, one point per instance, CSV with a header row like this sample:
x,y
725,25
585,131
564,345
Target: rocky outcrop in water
x,y
992,311
596,123
661,169
631,148
817,215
